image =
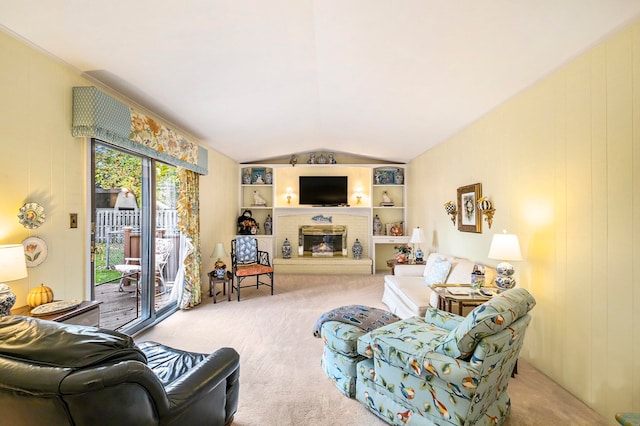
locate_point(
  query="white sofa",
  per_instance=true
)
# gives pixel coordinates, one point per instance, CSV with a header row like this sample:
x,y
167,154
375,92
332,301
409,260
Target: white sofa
x,y
407,293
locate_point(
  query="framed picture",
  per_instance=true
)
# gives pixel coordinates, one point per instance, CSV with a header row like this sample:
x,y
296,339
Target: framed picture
x,y
469,218
385,176
257,176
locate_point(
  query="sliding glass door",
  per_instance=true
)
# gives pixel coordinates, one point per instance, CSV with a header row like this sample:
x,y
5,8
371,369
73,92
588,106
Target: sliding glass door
x,y
136,242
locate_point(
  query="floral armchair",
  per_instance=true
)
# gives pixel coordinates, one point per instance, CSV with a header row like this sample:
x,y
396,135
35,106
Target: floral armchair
x,y
445,369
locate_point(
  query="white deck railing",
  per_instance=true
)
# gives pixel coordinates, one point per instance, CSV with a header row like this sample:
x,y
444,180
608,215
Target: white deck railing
x,y
110,222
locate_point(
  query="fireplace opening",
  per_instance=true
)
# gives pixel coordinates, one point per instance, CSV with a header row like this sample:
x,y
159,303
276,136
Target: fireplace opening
x,y
323,240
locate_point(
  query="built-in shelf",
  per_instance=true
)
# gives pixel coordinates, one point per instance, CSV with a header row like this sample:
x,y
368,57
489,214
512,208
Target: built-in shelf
x,y
370,185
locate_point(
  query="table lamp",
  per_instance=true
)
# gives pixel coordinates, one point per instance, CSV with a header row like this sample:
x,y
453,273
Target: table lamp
x,y
505,247
417,237
12,267
220,267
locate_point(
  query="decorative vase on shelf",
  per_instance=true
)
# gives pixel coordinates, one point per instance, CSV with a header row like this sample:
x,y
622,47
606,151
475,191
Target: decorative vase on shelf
x,y
399,177
286,249
357,250
377,225
268,177
322,159
268,224
246,177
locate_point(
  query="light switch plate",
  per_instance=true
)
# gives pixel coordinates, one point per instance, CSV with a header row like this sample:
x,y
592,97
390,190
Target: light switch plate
x,y
73,220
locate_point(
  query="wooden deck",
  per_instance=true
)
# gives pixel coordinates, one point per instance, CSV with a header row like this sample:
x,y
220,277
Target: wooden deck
x,y
119,308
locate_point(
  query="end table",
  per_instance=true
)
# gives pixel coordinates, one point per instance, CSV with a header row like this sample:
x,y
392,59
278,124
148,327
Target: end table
x,y
214,280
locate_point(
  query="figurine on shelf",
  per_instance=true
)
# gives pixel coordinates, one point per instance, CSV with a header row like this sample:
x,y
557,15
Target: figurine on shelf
x,y
312,158
332,158
247,225
258,200
268,177
386,200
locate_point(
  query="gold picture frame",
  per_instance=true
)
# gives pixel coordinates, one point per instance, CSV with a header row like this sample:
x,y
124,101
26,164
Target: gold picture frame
x,y
469,218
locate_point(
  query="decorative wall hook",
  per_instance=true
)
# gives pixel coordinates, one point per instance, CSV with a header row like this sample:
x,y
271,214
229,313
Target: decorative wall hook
x,y
486,208
452,210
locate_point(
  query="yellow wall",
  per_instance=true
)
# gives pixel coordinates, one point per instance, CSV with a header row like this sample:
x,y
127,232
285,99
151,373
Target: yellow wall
x,y
41,162
561,163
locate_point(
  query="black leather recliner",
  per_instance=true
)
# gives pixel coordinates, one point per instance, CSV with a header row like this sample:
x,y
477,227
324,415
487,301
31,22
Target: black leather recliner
x,y
60,374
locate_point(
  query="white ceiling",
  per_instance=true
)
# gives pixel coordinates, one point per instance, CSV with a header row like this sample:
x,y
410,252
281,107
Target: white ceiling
x,y
257,79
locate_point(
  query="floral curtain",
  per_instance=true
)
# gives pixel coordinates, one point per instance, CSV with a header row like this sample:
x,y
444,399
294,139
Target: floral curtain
x,y
189,223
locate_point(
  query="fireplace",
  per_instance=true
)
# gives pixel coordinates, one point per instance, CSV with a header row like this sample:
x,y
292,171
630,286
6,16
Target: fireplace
x,y
323,240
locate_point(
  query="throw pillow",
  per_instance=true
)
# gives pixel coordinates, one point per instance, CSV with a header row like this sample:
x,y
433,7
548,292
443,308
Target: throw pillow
x,y
437,272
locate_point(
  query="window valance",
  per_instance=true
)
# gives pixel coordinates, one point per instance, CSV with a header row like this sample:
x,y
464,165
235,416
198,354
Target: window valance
x,y
98,115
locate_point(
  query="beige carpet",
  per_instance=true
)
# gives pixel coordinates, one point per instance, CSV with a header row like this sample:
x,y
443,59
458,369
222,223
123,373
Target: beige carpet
x,y
281,382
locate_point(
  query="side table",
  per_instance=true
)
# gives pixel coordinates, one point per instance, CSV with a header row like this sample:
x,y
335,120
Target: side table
x,y
391,263
214,280
88,313
467,298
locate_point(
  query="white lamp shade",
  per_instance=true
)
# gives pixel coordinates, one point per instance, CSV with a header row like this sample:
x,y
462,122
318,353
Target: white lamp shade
x,y
218,251
13,265
417,236
505,247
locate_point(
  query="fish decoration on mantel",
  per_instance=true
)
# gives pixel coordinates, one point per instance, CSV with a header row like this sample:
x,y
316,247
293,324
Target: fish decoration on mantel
x,y
322,219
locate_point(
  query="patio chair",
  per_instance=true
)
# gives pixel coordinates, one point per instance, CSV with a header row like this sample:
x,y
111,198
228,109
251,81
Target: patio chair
x,y
248,261
130,270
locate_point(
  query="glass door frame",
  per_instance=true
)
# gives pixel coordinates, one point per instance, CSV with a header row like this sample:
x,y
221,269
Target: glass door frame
x,y
148,314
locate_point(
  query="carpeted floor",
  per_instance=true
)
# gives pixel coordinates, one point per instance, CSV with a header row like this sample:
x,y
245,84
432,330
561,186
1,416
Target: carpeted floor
x,y
281,382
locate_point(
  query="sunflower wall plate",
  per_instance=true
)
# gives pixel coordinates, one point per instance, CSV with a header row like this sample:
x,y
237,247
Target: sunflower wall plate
x,y
35,251
31,215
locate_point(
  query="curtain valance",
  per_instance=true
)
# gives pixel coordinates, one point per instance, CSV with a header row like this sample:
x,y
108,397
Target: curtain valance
x,y
98,115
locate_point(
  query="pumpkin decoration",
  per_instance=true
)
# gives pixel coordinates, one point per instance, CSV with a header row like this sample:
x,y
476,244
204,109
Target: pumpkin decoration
x,y
39,296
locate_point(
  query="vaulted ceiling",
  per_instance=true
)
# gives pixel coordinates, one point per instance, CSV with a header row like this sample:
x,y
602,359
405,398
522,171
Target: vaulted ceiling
x,y
257,79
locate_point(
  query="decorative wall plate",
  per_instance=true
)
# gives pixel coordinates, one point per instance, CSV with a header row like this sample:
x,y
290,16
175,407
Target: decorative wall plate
x,y
35,251
31,215
55,307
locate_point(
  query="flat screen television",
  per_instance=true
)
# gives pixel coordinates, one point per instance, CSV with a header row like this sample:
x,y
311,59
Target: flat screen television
x,y
323,190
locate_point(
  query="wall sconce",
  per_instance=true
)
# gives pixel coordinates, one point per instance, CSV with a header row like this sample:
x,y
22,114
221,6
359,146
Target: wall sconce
x,y
451,210
486,208
289,195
